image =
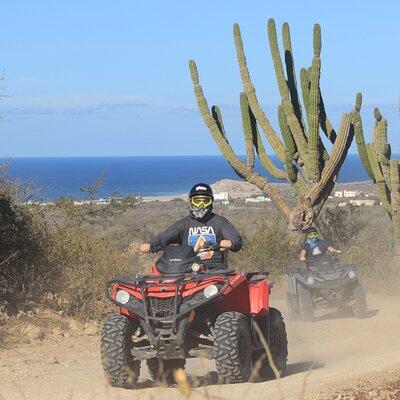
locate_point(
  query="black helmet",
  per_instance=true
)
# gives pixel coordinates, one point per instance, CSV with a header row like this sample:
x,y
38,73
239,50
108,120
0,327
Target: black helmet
x,y
310,230
201,189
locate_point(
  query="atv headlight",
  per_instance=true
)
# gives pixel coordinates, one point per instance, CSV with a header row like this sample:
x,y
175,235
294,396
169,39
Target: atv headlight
x,y
122,296
210,291
352,274
310,281
195,267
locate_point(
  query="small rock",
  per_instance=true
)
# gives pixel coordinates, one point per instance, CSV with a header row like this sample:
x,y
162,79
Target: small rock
x,y
73,324
56,331
20,314
33,332
91,329
53,360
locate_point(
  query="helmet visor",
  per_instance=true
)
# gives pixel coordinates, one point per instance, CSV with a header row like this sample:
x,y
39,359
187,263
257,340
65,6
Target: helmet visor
x,y
201,201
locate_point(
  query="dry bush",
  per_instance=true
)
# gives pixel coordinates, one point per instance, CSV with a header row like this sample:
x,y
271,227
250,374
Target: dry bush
x,y
342,225
25,270
86,262
267,247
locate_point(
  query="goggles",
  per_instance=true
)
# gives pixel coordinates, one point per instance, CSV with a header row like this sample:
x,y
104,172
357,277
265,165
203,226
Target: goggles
x,y
313,235
201,201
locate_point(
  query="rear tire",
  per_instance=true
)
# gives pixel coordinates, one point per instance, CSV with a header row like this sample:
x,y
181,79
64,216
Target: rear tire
x,y
306,304
278,346
121,368
163,370
360,302
293,307
232,343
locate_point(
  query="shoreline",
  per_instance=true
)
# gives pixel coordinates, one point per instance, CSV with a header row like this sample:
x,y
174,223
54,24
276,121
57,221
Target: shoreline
x,y
234,188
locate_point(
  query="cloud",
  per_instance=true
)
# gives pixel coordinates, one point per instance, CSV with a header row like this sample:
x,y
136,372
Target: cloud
x,y
84,104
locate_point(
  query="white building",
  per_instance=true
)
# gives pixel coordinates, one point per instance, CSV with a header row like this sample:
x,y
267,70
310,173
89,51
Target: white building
x,y
351,193
367,203
224,196
258,199
339,193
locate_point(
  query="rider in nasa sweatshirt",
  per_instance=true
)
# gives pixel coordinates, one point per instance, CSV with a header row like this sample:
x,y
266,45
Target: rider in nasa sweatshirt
x,y
201,229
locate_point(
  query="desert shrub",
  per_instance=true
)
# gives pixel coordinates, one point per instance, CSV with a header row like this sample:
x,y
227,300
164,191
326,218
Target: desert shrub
x,y
85,263
267,247
25,270
342,225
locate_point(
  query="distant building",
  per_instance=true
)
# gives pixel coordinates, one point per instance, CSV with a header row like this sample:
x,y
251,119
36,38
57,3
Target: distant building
x,y
224,196
351,193
258,199
339,193
367,203
343,204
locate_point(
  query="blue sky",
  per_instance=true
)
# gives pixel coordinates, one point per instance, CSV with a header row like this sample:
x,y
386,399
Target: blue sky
x,y
111,78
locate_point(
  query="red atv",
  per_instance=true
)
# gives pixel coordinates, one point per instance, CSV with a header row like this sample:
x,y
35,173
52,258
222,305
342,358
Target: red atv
x,y
182,310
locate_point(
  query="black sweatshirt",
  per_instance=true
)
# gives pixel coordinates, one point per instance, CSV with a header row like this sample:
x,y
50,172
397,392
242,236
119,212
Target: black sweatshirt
x,y
191,231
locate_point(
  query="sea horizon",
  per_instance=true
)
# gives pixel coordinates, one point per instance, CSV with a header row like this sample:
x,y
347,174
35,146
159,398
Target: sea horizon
x,y
56,177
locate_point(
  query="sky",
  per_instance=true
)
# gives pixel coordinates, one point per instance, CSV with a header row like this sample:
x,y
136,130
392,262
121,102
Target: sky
x,y
101,78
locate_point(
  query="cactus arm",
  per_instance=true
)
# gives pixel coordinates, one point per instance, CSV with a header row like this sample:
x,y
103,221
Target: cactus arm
x,y
382,146
293,122
290,146
291,72
216,113
254,140
395,196
360,140
326,125
361,146
239,167
336,159
212,125
313,129
381,187
292,170
250,91
249,129
305,90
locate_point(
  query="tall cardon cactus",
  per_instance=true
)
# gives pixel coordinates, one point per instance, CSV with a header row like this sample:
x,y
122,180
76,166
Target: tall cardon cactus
x,y
382,169
308,165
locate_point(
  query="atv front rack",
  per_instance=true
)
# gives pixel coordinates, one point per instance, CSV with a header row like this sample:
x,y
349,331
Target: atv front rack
x,y
142,282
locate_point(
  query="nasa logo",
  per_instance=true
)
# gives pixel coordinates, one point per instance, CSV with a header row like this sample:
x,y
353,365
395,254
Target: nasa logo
x,y
201,230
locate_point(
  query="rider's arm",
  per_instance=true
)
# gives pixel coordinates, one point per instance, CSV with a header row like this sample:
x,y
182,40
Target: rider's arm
x,y
229,232
332,250
303,255
171,235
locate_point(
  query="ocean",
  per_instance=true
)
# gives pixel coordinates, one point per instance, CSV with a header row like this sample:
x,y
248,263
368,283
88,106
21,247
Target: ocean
x,y
144,176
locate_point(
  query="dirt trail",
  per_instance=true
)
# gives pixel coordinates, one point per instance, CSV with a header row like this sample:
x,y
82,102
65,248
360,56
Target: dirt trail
x,y
340,347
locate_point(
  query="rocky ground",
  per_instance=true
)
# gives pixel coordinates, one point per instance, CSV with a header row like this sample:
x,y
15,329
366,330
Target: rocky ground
x,y
336,357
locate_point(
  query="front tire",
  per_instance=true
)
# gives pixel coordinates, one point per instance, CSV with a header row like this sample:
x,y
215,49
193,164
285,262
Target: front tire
x,y
163,370
360,302
232,343
278,346
306,304
121,368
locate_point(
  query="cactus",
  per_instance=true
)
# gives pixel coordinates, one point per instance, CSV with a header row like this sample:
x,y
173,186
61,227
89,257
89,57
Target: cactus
x,y
384,171
307,164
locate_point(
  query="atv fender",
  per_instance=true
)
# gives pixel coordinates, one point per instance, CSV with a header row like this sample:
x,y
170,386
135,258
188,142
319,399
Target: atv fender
x,y
259,297
291,284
